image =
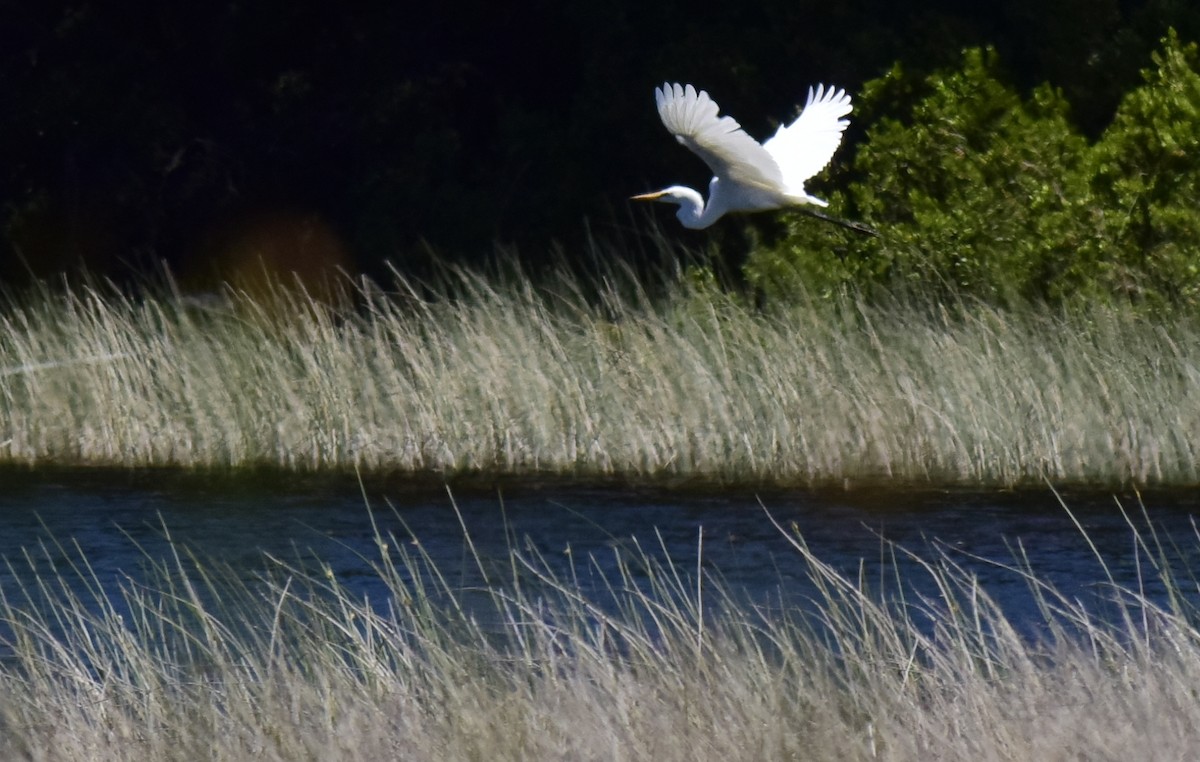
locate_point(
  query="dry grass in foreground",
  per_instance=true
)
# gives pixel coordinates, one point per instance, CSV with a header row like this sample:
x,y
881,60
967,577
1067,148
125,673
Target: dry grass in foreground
x,y
296,667
497,376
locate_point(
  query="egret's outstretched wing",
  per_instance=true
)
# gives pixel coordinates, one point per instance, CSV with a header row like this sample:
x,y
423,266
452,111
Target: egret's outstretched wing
x,y
729,152
803,148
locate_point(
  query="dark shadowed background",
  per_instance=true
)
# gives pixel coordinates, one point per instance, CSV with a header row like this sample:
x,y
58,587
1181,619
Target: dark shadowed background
x,y
214,136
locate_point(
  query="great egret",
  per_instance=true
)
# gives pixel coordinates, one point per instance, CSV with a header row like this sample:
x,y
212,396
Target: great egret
x,y
748,176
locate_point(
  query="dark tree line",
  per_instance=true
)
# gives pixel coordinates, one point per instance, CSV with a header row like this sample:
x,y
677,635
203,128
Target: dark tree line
x,y
138,132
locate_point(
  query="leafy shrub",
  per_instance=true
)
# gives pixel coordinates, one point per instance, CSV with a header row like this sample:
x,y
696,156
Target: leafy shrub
x,y
1145,182
978,191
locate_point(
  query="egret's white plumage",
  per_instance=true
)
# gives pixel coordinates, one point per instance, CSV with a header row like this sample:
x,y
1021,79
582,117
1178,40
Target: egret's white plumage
x,y
748,176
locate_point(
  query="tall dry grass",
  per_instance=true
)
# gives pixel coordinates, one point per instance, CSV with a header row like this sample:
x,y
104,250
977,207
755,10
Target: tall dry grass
x,y
187,664
495,375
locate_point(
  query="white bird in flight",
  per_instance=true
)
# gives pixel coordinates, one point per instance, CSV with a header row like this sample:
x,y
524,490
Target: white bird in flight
x,y
749,176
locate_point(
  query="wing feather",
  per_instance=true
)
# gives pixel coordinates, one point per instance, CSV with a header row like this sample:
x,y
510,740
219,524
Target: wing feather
x,y
732,155
804,148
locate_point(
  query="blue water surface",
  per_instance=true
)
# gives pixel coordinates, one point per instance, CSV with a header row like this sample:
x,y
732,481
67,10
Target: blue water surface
x,y
117,521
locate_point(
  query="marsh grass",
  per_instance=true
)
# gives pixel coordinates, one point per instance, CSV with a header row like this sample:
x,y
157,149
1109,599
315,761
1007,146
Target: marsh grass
x,y
496,375
190,663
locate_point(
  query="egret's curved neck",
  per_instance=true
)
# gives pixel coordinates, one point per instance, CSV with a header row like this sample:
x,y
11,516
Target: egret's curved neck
x,y
691,205
693,212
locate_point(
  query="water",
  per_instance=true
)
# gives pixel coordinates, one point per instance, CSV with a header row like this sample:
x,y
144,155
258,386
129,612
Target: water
x,y
118,521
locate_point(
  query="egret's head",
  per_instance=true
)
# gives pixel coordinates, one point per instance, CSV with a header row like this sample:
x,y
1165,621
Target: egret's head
x,y
674,195
691,204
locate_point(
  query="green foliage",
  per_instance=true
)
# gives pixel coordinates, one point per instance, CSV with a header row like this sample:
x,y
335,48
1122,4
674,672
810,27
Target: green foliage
x,y
989,194
1146,181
